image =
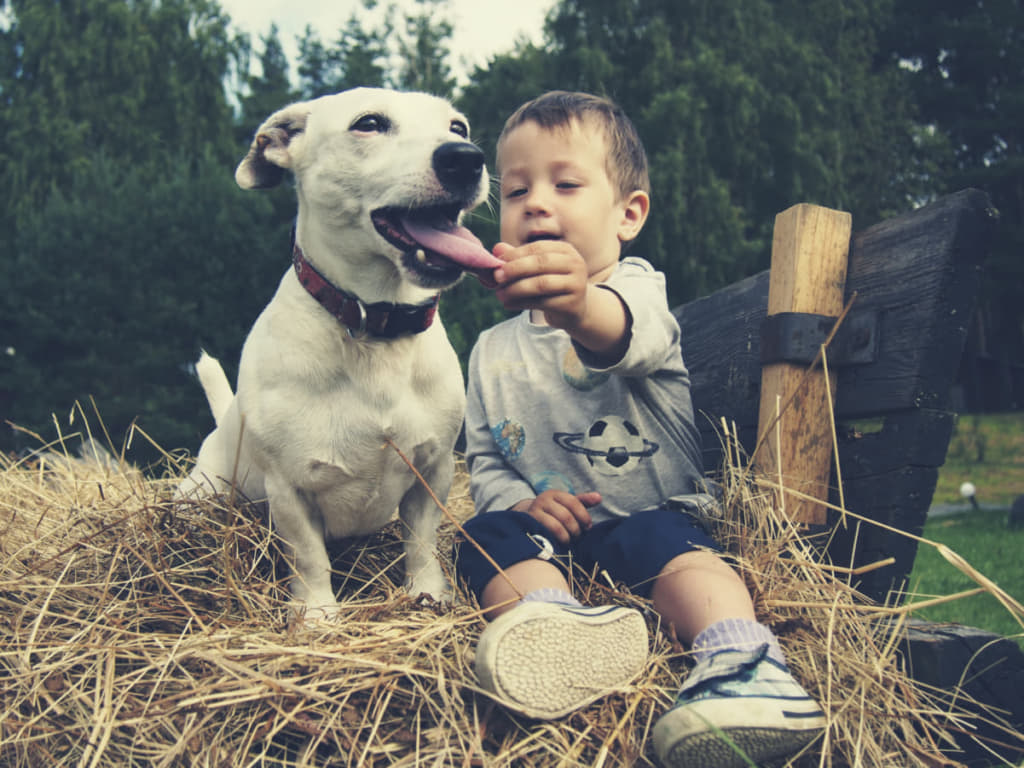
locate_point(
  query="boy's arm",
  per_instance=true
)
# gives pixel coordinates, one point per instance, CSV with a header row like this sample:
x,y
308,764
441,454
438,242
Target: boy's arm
x,y
605,329
653,339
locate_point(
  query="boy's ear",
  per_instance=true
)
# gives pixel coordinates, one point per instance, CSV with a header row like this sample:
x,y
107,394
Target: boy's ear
x,y
634,214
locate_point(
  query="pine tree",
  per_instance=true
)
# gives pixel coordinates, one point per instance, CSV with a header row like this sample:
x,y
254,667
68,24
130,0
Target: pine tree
x,y
965,63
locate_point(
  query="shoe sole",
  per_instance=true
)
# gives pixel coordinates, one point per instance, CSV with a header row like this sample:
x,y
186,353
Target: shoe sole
x,y
686,737
545,662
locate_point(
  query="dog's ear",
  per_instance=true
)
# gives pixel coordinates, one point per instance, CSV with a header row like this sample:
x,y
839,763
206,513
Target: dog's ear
x,y
269,155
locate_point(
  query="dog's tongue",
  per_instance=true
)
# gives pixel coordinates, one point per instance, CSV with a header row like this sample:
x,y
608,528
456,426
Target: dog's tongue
x,y
459,244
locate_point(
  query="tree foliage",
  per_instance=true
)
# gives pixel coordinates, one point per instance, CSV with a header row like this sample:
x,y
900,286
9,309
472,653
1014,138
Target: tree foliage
x,y
78,77
125,245
115,283
745,106
408,53
966,69
266,92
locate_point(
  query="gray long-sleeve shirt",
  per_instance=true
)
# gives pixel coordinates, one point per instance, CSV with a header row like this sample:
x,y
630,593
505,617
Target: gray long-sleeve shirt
x,y
540,417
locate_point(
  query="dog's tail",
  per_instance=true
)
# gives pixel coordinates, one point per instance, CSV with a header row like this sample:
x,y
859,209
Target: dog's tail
x,y
215,385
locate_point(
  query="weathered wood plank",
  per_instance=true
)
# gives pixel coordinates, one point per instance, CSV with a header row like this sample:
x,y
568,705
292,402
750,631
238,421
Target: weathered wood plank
x,y
921,272
986,674
917,272
906,438
810,246
919,275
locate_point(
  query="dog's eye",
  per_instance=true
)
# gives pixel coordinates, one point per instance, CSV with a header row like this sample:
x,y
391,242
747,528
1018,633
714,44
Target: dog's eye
x,y
459,128
371,124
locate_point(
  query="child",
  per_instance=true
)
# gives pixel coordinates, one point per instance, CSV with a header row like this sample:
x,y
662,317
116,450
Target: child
x,y
582,449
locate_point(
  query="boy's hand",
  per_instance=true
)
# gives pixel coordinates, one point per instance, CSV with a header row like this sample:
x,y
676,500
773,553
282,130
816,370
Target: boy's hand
x,y
563,514
549,276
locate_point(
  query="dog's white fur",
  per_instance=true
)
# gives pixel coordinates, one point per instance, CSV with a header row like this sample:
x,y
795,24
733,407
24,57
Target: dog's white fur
x,y
308,427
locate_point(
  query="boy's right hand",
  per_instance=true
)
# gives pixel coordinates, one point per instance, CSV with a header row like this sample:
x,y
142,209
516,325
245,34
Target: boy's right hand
x,y
563,514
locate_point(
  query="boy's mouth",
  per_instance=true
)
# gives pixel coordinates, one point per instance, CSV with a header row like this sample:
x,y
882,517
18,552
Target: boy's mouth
x,y
534,237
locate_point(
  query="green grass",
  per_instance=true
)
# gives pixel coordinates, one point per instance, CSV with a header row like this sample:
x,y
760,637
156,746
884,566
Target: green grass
x,y
987,450
983,540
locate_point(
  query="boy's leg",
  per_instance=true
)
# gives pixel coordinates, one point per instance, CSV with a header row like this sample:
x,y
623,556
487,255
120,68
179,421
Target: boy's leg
x,y
544,654
532,579
527,559
740,687
697,589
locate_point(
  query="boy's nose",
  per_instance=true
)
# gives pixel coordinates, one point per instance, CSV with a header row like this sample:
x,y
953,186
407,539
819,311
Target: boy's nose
x,y
536,203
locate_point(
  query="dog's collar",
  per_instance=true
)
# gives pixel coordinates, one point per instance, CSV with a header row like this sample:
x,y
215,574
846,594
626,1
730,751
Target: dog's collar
x,y
381,319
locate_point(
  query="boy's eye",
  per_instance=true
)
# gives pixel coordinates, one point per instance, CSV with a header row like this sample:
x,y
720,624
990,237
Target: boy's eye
x,y
516,192
567,185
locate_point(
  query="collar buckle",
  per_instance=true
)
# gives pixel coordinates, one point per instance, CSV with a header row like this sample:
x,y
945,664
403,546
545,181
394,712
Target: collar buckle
x,y
360,330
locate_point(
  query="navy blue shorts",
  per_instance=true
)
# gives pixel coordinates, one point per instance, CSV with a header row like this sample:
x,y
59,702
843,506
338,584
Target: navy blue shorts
x,y
633,549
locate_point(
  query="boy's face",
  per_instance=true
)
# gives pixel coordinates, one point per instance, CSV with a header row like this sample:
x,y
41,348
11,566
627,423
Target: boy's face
x,y
555,185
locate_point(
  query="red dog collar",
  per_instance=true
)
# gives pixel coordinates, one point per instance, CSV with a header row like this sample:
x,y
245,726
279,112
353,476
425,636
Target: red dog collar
x,y
381,319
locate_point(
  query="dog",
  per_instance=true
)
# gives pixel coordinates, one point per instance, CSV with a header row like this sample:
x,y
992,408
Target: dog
x,y
348,360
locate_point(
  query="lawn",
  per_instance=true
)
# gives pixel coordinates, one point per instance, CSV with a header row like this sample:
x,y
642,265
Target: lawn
x,y
983,540
987,450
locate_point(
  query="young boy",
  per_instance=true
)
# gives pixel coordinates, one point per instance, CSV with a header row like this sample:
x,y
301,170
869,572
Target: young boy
x,y
582,450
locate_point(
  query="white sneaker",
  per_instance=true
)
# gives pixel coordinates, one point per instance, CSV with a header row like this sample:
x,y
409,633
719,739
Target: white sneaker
x,y
547,659
737,708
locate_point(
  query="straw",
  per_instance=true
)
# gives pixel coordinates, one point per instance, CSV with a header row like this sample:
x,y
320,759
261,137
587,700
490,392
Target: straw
x,y
140,633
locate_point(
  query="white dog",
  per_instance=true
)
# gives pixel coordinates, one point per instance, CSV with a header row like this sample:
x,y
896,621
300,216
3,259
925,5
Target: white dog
x,y
349,354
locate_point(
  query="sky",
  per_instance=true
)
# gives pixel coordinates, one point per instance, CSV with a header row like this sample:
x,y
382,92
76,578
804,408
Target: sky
x,y
482,28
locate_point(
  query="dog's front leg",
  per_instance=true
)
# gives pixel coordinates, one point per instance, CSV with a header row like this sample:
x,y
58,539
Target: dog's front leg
x,y
298,522
420,517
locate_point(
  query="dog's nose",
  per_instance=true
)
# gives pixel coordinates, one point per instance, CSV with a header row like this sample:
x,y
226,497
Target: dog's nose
x,y
458,164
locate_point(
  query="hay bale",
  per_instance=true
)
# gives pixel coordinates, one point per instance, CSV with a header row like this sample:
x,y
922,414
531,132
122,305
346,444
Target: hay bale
x,y
136,633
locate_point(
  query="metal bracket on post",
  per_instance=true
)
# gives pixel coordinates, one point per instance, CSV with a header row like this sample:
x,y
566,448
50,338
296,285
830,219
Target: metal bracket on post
x,y
795,337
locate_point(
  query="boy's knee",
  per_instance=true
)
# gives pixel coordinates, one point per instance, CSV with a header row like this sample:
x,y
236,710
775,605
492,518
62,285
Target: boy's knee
x,y
696,559
498,540
698,568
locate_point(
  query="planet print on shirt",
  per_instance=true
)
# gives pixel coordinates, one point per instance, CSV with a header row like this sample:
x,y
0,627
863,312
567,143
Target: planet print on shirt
x,y
577,375
510,437
613,446
549,480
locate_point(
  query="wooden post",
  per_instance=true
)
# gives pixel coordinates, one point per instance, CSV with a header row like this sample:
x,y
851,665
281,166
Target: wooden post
x,y
810,246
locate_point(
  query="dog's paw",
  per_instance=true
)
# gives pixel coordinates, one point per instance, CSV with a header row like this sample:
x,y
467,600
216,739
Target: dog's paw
x,y
311,615
433,585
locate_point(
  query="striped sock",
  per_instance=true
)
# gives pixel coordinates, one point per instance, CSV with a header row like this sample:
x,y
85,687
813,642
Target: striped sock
x,y
550,595
736,635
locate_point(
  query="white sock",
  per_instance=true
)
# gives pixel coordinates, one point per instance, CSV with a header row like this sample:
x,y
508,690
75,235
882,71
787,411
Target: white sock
x,y
550,595
736,635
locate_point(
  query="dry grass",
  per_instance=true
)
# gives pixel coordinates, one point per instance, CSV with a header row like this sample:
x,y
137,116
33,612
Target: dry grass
x,y
134,633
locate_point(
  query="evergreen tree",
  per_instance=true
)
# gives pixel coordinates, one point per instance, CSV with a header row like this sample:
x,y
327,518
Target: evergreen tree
x,y
423,50
362,55
82,76
267,92
357,58
745,107
116,282
110,109
965,62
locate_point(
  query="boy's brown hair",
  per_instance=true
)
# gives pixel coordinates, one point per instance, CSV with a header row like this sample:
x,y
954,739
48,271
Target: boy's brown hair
x,y
627,160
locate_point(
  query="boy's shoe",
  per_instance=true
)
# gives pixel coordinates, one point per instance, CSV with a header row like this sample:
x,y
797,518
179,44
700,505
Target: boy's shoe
x,y
548,659
742,697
